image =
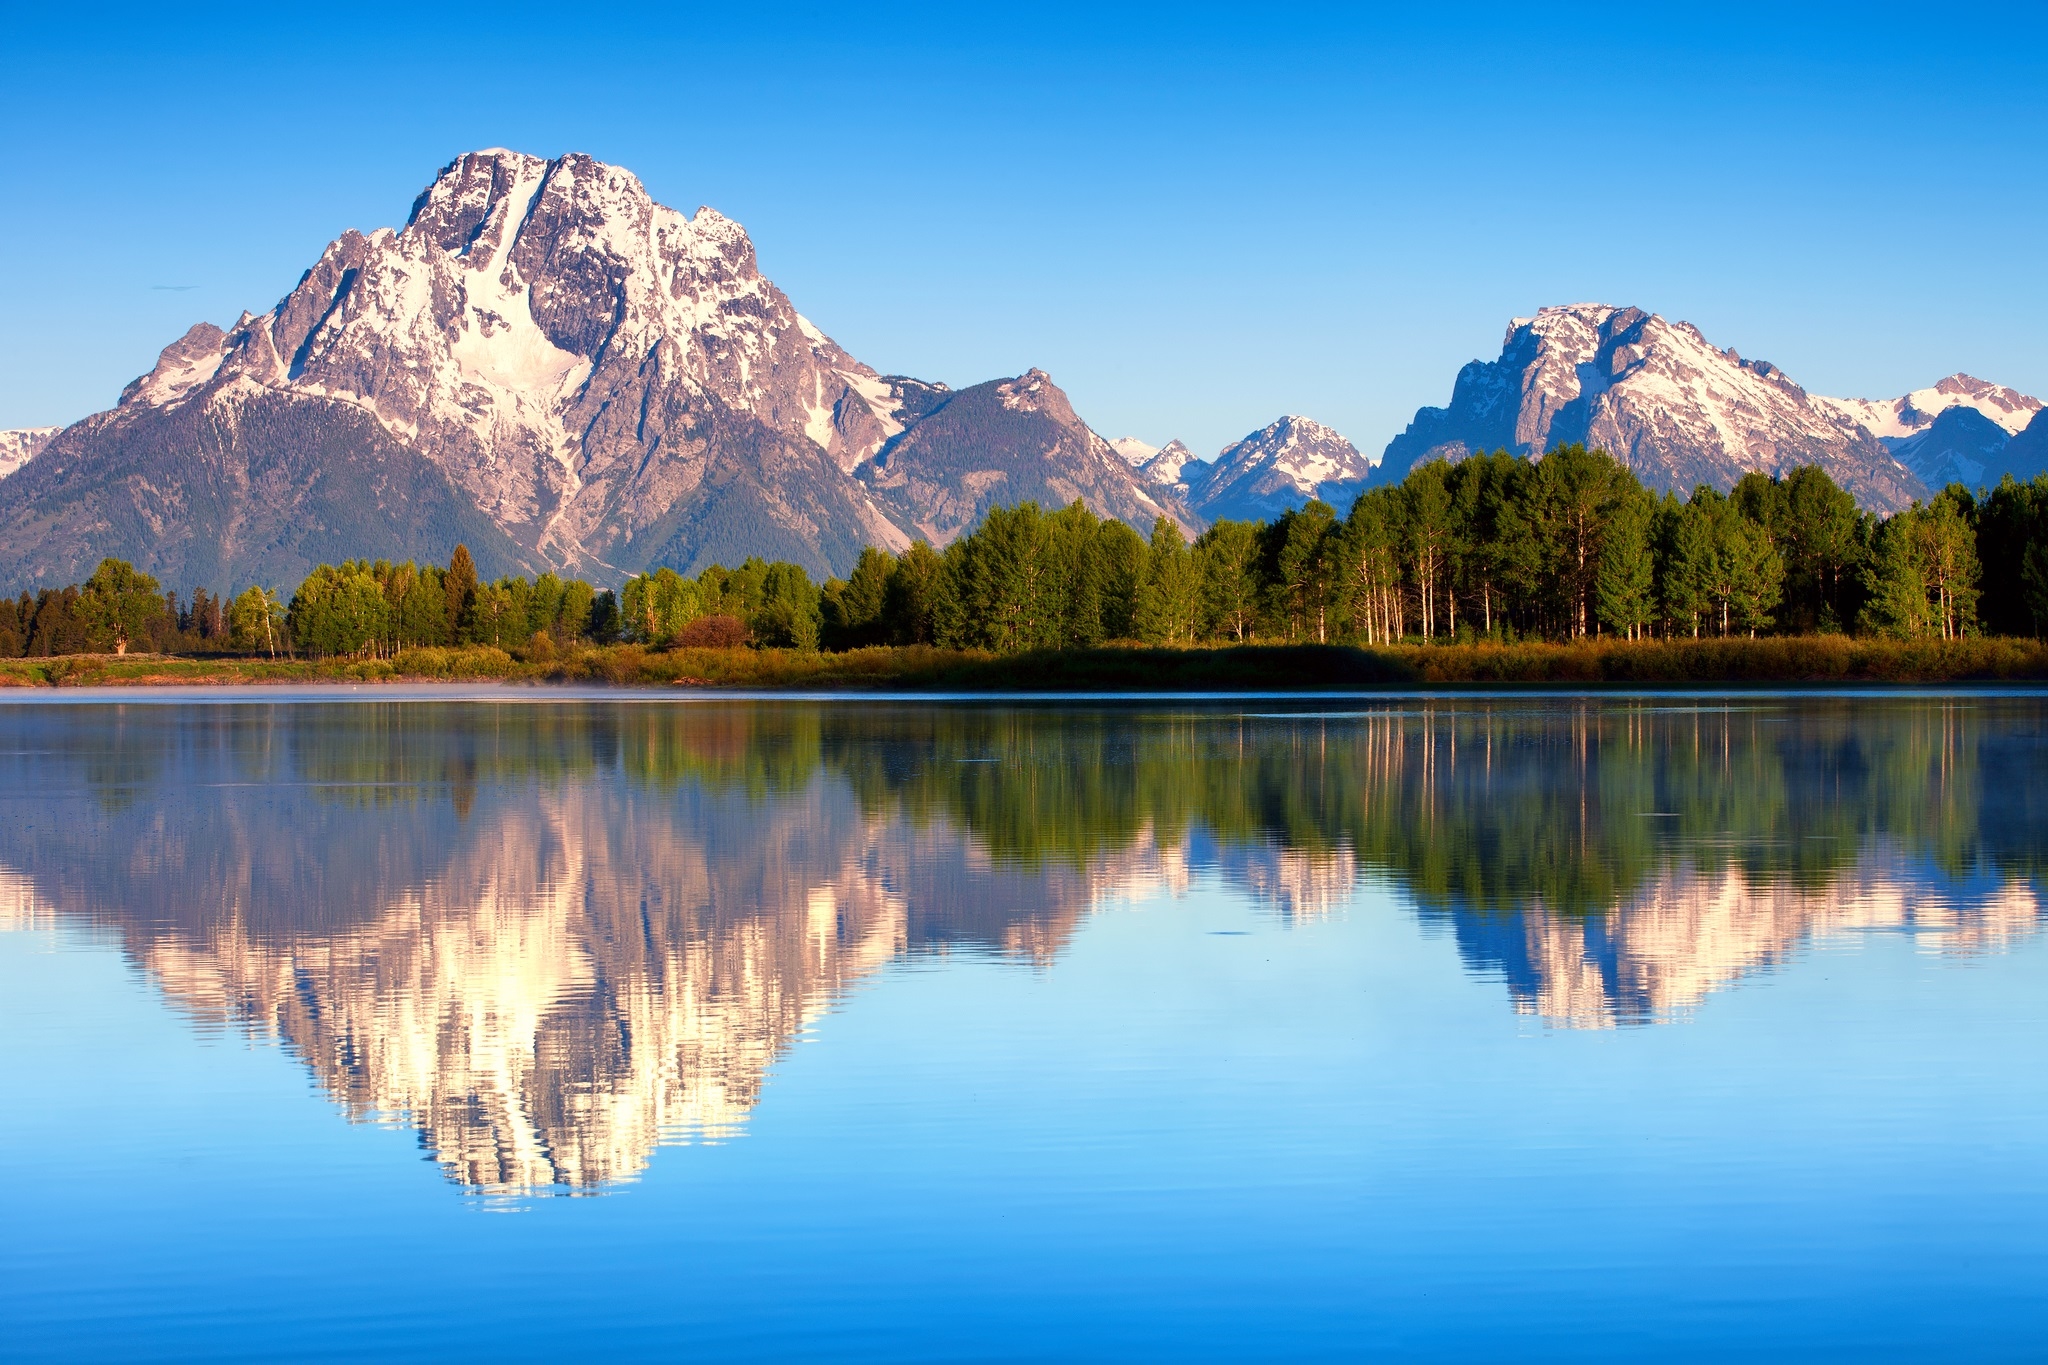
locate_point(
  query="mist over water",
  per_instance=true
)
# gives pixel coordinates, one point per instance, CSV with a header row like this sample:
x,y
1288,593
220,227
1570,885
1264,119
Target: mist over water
x,y
1171,1028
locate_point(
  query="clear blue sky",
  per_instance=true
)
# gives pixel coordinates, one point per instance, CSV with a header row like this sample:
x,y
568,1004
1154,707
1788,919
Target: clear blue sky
x,y
1196,219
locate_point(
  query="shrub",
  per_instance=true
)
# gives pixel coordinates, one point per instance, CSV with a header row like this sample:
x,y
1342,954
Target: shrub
x,y
712,632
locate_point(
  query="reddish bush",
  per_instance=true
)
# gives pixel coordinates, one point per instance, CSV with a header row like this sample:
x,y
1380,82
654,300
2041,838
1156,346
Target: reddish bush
x,y
713,632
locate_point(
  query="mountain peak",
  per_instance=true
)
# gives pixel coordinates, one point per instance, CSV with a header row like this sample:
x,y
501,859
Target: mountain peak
x,y
1658,395
1280,466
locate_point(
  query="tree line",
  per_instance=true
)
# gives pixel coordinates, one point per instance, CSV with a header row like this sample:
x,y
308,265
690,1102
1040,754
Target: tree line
x,y
1493,547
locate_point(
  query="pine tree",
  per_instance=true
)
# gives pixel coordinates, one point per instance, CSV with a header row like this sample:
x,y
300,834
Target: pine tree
x,y
907,610
458,587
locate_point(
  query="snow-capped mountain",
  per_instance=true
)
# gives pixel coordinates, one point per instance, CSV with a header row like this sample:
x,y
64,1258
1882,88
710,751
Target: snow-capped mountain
x,y
1657,395
1134,451
19,445
543,358
2026,455
1159,464
1169,464
1278,467
1896,419
1961,445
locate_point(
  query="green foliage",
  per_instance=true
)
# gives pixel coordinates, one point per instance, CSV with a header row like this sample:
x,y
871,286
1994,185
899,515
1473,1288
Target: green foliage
x,y
1491,548
1227,561
1625,586
257,623
854,611
910,599
1169,604
119,607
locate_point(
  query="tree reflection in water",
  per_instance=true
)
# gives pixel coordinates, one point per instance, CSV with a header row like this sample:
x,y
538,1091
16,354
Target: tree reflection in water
x,y
552,937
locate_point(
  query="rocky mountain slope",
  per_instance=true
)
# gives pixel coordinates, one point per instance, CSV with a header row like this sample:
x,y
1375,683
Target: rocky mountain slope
x,y
1276,468
1659,396
606,382
1003,442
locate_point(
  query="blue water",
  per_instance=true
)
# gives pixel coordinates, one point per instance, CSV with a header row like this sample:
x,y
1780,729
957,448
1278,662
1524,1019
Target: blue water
x,y
1552,1028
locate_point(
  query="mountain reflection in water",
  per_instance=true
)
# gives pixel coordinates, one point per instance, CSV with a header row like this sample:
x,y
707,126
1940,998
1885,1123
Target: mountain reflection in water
x,y
553,937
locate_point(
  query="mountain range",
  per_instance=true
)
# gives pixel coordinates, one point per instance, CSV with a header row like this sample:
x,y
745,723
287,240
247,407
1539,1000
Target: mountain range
x,y
1681,412
549,366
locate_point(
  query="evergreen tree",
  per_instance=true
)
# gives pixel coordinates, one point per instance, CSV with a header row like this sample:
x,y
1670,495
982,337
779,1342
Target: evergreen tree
x,y
853,610
1691,563
1120,559
908,601
1169,601
1816,539
458,588
1755,573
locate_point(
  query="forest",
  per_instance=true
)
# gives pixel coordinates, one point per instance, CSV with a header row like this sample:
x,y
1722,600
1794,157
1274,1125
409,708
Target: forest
x,y
1492,548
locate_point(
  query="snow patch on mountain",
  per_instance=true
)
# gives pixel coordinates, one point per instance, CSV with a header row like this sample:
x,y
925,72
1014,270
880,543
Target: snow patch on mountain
x,y
1169,464
1134,451
19,445
1895,419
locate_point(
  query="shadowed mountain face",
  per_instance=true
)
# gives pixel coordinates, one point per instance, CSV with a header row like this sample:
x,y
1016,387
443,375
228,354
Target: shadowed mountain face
x,y
553,938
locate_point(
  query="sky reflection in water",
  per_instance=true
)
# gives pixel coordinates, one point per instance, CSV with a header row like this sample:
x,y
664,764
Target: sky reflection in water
x,y
1153,986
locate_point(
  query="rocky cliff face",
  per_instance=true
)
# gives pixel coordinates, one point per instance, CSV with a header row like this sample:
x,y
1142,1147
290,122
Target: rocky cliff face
x,y
1279,467
610,383
1004,442
1656,394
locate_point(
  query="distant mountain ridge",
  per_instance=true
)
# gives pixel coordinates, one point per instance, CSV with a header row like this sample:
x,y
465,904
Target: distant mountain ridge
x,y
1657,395
1896,419
1278,467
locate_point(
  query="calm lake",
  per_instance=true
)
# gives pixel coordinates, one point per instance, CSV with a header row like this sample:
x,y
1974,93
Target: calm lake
x,y
1533,1027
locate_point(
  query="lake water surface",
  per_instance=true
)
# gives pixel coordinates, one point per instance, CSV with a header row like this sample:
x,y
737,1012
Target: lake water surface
x,y
1488,1027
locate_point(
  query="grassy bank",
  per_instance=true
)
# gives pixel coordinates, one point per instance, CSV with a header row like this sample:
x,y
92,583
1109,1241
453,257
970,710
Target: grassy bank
x,y
1810,659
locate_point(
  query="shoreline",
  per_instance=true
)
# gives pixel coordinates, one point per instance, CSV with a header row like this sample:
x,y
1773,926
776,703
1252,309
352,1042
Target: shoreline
x,y
1278,670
